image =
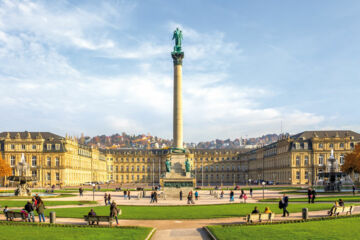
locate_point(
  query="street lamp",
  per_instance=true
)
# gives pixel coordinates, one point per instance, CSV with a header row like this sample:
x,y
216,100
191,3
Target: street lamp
x,y
93,185
263,183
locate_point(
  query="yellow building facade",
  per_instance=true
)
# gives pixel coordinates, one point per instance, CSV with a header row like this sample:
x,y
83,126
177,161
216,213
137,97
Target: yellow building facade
x,y
56,160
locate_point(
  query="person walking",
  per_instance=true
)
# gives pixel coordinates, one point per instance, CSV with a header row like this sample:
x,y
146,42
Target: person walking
x,y
244,198
40,209
222,194
251,192
309,191
109,199
155,197
105,199
313,195
114,212
125,194
152,197
80,191
196,195
33,202
189,197
285,204
181,194
231,196
128,194
30,210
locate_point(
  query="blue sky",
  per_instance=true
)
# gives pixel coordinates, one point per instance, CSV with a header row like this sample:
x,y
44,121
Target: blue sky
x,y
105,66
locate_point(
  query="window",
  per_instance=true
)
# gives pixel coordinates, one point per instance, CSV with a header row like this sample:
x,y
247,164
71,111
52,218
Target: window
x,y
342,159
132,177
297,160
138,177
352,145
321,159
117,169
12,146
49,161
23,146
48,146
117,178
341,145
306,160
132,169
111,167
34,174
320,145
298,175
206,168
127,168
57,176
57,162
306,175
48,176
57,146
33,161
138,168
331,145
12,161
122,168
143,168
34,147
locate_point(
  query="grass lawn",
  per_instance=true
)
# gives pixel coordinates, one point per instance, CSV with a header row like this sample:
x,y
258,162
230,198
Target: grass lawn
x,y
344,228
184,212
33,232
47,203
43,197
319,199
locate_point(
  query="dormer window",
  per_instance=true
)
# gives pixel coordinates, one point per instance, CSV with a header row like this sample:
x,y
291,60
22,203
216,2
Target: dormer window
x,y
57,146
48,146
321,145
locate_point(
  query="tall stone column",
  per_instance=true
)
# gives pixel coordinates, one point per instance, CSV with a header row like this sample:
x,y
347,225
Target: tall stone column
x,y
178,116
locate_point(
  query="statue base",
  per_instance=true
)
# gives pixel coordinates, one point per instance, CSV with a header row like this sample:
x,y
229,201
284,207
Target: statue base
x,y
177,179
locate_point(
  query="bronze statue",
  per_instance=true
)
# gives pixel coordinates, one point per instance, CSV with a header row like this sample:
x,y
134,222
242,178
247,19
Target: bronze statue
x,y
178,38
168,165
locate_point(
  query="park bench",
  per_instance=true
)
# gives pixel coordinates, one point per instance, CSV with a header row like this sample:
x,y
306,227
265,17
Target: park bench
x,y
98,219
338,210
260,217
13,215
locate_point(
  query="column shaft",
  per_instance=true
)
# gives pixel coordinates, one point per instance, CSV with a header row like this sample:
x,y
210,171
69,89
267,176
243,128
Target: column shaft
x,y
178,116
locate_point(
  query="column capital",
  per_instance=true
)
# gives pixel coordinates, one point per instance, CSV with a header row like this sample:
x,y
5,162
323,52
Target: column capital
x,y
177,57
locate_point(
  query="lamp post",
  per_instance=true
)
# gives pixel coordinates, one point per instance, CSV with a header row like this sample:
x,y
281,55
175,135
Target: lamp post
x,y
93,185
202,172
263,183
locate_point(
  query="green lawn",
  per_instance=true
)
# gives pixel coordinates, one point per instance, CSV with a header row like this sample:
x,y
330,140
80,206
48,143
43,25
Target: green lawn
x,y
33,232
184,212
62,195
47,203
344,228
318,199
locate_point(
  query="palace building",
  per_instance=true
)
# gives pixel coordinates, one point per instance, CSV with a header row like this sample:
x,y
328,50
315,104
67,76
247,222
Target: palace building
x,y
56,160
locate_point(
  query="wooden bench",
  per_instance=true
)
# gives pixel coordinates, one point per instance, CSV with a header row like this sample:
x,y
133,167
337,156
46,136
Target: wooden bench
x,y
98,219
260,217
348,209
12,215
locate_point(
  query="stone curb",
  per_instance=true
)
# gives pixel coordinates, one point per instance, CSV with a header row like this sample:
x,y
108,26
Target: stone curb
x,y
210,233
151,234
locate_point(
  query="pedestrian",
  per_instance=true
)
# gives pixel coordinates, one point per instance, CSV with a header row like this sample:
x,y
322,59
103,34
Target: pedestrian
x,y
313,195
152,197
128,194
125,194
80,191
181,193
5,211
30,210
109,199
40,209
196,195
114,212
222,194
99,187
341,203
155,197
309,191
353,189
189,198
92,214
245,197
251,192
105,199
33,202
285,204
231,196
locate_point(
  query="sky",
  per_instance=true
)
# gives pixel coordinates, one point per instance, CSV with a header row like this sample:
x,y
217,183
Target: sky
x,y
250,67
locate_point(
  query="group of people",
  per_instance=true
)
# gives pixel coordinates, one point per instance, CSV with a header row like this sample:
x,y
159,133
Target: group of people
x,y
36,204
243,197
114,212
107,199
256,210
154,197
127,194
339,203
311,195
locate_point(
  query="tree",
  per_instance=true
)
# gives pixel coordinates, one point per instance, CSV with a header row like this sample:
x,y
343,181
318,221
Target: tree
x,y
352,161
5,169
